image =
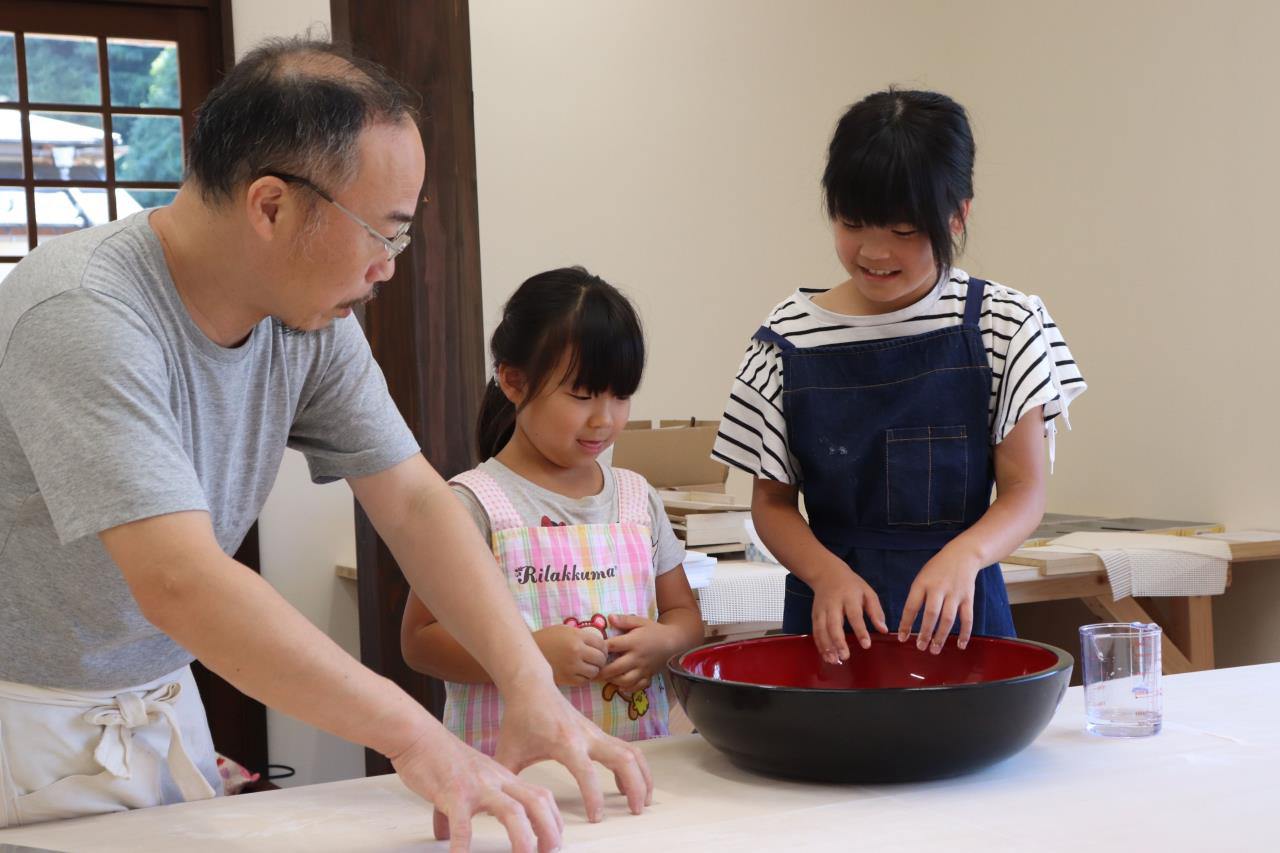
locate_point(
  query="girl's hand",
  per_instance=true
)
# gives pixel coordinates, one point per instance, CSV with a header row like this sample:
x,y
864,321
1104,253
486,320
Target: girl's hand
x,y
944,588
575,654
840,594
641,651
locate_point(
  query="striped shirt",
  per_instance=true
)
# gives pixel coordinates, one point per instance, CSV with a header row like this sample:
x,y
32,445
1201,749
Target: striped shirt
x,y
1030,366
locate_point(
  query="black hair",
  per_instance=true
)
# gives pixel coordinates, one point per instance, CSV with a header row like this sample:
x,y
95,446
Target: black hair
x,y
902,157
561,311
295,106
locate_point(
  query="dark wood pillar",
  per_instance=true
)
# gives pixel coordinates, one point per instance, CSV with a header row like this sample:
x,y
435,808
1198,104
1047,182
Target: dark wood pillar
x,y
427,327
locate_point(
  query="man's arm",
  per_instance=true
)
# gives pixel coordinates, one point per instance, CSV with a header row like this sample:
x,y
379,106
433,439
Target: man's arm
x,y
429,648
450,568
241,628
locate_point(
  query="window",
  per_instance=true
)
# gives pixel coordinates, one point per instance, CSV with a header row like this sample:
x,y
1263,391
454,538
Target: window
x,y
95,102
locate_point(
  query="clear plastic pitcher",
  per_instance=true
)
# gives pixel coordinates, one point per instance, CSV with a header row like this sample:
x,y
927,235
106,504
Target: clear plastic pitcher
x,y
1122,694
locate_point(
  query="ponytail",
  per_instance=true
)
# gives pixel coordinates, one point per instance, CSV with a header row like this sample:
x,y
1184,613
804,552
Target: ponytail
x,y
496,422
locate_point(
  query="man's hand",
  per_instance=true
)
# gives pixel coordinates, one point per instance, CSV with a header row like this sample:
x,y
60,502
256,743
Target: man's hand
x,y
463,782
539,724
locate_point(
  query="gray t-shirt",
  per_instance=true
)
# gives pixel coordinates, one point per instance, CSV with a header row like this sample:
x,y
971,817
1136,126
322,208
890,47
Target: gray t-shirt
x,y
114,407
541,507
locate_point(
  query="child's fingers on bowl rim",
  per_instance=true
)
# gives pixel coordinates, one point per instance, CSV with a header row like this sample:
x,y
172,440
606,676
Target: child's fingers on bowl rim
x,y
929,622
853,613
945,623
966,622
871,605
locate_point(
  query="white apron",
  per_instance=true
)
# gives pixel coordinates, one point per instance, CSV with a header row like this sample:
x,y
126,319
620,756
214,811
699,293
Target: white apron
x,y
67,753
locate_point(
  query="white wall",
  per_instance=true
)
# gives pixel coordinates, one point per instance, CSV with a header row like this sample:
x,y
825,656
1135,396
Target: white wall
x,y
255,20
305,529
1126,173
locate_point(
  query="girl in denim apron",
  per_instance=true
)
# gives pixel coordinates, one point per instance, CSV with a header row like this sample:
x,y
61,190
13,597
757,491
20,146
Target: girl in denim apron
x,y
586,549
895,400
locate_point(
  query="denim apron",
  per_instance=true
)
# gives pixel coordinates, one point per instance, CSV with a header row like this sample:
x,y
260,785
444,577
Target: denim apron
x,y
894,453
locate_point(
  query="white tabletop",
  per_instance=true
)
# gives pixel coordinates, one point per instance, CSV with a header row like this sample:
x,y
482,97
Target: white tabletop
x,y
1207,782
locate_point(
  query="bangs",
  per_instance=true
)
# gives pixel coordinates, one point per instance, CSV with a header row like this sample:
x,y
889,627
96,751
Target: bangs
x,y
876,186
604,344
903,158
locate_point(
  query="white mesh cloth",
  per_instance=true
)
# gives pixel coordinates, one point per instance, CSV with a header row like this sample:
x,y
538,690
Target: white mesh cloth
x,y
1150,564
743,592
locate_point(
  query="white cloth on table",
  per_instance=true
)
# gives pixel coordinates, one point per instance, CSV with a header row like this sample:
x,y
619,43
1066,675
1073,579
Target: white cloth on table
x,y
1155,565
743,592
699,568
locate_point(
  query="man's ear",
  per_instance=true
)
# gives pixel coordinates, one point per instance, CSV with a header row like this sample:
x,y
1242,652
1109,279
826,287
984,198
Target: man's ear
x,y
264,201
513,383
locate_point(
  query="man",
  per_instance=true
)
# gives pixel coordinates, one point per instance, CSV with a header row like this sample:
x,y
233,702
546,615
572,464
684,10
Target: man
x,y
152,372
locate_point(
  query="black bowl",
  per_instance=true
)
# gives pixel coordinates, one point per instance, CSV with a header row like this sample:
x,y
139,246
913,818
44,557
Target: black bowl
x,y
889,714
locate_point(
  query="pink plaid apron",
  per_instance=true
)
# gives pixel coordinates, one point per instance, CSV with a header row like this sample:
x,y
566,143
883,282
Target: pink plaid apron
x,y
575,574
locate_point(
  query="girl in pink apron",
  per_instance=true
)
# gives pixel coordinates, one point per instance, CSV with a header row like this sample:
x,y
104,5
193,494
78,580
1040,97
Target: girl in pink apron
x,y
587,551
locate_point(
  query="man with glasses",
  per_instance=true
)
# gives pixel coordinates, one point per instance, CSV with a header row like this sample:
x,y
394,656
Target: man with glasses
x,y
152,372
395,244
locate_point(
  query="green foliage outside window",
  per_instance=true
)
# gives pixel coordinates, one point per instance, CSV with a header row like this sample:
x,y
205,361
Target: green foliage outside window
x,y
141,75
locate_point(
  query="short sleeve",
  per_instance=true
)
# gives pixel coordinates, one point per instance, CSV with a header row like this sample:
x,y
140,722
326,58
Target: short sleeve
x,y
475,509
753,431
347,425
85,388
668,550
1038,370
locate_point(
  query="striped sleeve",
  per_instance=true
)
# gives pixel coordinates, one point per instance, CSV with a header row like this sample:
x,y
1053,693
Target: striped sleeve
x,y
753,431
1038,370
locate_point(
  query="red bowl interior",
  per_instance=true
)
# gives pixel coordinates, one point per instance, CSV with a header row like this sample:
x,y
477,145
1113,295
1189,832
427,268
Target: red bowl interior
x,y
793,661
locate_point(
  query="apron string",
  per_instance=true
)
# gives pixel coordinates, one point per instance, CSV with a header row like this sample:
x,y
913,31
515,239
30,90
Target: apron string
x,y
131,710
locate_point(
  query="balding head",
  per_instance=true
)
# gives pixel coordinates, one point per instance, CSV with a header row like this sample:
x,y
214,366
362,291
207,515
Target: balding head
x,y
292,106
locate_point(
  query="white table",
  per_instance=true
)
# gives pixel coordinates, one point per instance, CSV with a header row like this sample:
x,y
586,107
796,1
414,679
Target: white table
x,y
1207,782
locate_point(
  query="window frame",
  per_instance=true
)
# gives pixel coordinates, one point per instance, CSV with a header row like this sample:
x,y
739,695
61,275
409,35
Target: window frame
x,y
200,28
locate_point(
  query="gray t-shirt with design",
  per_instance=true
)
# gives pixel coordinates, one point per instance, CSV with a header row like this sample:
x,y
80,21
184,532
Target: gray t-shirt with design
x,y
541,507
115,407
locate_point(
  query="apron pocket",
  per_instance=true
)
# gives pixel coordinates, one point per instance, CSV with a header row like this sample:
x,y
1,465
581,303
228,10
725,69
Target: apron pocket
x,y
82,795
926,474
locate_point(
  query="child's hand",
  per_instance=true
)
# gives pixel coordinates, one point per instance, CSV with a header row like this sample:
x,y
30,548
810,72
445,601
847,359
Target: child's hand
x,y
839,593
575,654
944,588
641,651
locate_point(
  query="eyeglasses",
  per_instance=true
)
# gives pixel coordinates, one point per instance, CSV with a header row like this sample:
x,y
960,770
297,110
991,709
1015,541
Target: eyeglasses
x,y
394,245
